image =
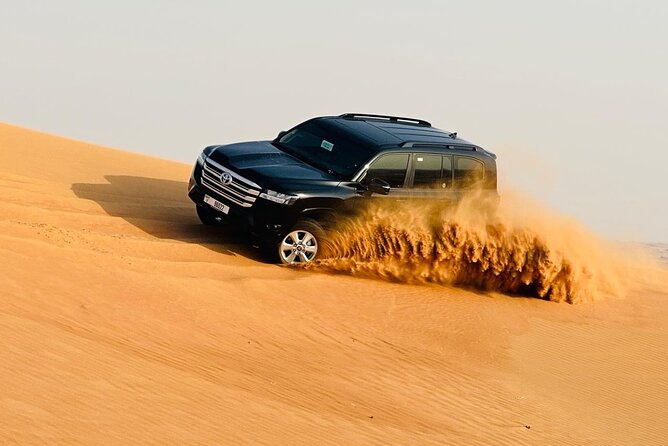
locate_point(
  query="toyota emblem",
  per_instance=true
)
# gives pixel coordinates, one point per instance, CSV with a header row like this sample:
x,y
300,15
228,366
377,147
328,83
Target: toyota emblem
x,y
226,178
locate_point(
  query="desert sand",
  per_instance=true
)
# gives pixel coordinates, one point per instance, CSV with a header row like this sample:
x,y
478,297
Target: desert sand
x,y
125,321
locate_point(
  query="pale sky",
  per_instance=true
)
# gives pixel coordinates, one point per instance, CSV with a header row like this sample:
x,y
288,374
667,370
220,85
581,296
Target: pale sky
x,y
571,95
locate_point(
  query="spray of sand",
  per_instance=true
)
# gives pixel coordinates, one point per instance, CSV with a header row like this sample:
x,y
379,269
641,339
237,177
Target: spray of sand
x,y
515,248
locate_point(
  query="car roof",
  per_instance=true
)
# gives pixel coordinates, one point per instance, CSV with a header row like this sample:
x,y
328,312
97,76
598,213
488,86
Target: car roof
x,y
381,130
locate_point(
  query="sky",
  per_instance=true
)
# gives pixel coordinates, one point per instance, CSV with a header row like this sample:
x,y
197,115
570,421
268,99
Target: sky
x,y
572,95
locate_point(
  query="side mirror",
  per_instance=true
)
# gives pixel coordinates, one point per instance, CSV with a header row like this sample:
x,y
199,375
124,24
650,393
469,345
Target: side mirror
x,y
378,186
281,134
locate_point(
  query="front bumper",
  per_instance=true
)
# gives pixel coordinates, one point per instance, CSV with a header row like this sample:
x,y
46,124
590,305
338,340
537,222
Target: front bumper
x,y
263,219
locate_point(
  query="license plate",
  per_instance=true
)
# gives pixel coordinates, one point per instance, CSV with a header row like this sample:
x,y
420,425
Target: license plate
x,y
216,204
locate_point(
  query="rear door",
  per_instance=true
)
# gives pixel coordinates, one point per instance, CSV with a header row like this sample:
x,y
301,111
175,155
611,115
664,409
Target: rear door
x,y
431,176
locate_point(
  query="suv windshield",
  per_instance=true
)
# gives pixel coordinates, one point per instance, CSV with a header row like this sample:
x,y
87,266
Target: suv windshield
x,y
315,144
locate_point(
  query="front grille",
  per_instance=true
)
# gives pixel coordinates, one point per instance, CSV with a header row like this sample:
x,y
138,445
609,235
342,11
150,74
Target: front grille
x,y
239,191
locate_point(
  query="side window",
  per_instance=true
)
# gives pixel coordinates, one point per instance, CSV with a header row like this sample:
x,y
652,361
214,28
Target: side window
x,y
468,172
391,168
428,171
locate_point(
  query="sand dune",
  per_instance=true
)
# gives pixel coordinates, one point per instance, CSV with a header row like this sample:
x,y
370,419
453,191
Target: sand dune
x,y
124,321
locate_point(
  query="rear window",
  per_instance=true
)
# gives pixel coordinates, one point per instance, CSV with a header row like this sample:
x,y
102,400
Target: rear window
x,y
432,171
469,172
428,171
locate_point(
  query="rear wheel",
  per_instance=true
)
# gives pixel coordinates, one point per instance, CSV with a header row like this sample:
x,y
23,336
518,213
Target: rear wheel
x,y
206,216
302,244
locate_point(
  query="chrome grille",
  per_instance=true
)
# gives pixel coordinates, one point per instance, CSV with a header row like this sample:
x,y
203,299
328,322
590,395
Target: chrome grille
x,y
240,191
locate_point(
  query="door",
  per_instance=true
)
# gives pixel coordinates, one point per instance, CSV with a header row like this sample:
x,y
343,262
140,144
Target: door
x,y
431,177
393,168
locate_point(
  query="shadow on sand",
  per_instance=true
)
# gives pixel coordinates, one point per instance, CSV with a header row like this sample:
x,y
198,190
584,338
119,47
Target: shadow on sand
x,y
162,209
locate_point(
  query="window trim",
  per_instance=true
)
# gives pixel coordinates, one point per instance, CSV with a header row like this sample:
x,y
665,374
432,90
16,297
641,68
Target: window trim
x,y
410,173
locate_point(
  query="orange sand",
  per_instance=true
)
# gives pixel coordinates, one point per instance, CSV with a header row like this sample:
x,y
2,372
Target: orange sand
x,y
124,321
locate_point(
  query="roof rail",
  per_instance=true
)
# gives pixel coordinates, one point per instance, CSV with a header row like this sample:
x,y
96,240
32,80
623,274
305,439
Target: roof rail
x,y
409,144
389,118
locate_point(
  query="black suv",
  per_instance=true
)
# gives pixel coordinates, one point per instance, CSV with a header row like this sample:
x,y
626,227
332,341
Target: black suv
x,y
288,190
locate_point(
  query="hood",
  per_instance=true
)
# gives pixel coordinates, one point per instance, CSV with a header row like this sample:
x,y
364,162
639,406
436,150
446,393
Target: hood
x,y
265,164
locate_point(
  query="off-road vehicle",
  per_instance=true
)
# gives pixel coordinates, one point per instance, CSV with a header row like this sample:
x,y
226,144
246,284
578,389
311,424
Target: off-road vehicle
x,y
288,190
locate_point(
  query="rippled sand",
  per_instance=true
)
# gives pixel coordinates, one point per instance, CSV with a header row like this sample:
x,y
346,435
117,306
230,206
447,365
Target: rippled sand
x,y
124,321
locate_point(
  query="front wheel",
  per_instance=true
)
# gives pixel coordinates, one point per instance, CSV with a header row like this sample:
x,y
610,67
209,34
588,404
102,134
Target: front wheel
x,y
302,244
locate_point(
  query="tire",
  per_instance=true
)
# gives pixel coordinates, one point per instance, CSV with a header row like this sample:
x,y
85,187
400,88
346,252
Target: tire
x,y
206,216
304,243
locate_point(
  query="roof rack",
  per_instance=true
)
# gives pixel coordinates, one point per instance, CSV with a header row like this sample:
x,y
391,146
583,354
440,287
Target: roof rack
x,y
389,118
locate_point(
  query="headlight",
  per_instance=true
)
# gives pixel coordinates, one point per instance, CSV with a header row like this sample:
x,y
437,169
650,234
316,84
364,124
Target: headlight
x,y
201,158
278,197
